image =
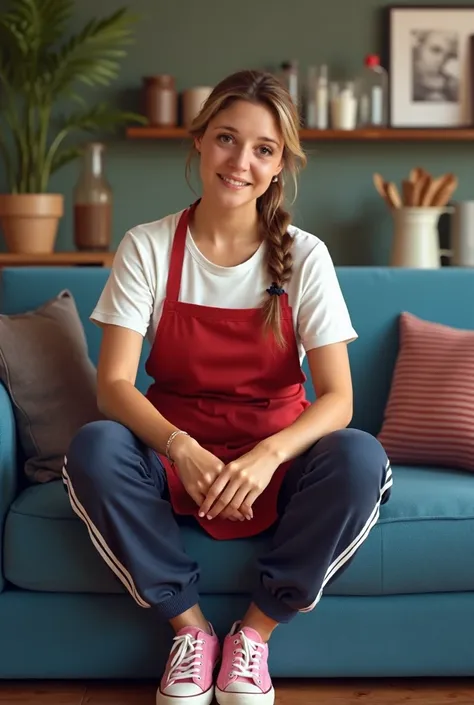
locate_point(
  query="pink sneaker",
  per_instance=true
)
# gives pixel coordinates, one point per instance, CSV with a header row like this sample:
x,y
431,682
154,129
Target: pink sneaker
x,y
188,677
243,677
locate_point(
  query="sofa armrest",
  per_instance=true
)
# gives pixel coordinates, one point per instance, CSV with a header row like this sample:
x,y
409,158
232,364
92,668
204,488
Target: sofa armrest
x,y
8,465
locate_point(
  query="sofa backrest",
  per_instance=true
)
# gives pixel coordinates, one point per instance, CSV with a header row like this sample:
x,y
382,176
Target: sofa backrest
x,y
375,297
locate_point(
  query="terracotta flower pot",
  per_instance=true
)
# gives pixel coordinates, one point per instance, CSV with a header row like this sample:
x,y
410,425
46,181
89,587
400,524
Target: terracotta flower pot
x,y
30,221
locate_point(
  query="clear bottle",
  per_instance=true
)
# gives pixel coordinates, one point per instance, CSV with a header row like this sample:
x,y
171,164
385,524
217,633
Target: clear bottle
x,y
372,94
289,78
92,198
311,83
322,99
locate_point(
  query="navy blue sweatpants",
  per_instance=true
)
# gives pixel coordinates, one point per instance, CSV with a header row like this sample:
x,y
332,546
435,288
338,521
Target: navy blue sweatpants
x,y
329,501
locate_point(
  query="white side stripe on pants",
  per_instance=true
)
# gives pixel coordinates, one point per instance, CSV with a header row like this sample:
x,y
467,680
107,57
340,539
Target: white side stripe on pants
x,y
357,542
99,542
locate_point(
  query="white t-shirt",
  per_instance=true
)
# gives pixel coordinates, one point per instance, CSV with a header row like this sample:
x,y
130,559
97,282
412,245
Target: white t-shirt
x,y
135,290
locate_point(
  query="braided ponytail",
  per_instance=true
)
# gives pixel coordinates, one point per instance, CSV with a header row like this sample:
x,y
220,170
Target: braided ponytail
x,y
275,221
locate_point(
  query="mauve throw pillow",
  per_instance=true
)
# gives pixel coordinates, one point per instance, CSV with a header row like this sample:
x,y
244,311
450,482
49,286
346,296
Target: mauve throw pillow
x,y
429,417
45,366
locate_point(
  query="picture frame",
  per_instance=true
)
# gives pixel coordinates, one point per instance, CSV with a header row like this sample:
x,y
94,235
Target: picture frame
x,y
429,65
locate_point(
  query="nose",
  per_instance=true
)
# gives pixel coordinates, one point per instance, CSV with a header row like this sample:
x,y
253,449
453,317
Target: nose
x,y
240,158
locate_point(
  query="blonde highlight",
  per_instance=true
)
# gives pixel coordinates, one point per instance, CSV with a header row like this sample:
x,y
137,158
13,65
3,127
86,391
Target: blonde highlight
x,y
263,88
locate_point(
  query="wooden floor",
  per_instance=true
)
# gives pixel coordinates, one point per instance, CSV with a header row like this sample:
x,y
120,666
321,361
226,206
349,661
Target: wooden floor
x,y
379,692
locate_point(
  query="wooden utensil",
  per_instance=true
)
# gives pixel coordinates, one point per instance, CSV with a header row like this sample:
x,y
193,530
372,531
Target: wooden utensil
x,y
431,189
446,189
381,187
421,186
393,195
408,192
416,174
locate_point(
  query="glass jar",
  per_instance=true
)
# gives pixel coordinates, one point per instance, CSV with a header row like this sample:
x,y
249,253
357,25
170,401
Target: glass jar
x,y
343,105
92,199
192,102
161,100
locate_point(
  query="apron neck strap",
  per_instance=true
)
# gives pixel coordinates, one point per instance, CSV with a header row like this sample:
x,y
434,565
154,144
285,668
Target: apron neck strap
x,y
177,255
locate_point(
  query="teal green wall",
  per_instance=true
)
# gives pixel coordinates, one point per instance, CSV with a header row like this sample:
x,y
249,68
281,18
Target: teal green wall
x,y
200,41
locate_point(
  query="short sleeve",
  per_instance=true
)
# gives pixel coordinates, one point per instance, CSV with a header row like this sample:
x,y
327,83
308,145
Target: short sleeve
x,y
128,296
323,317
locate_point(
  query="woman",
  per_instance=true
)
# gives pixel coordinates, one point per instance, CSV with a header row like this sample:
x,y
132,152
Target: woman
x,y
231,296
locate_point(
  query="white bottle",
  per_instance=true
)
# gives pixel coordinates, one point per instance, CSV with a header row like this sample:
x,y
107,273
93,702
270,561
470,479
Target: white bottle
x,y
372,93
343,106
322,99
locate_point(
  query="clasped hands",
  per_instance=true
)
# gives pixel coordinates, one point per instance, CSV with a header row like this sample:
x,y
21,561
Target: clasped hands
x,y
228,491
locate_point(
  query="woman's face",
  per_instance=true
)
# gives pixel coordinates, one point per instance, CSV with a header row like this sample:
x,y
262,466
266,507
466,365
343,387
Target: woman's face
x,y
241,151
434,51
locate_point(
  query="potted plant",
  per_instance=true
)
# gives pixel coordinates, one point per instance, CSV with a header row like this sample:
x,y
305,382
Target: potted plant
x,y
41,71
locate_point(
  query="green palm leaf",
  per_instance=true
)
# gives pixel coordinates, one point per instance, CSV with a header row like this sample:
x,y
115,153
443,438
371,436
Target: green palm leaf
x,y
38,25
27,30
93,56
100,117
64,156
36,70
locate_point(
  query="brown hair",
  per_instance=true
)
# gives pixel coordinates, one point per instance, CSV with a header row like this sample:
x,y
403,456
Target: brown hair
x,y
264,88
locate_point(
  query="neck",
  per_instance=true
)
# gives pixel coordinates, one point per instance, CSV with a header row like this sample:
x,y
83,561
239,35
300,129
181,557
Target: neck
x,y
214,223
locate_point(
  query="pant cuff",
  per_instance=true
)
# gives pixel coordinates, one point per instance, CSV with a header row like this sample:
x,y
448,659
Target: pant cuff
x,y
178,604
273,607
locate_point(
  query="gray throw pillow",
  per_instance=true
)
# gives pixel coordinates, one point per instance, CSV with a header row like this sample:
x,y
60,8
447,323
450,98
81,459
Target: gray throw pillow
x,y
45,365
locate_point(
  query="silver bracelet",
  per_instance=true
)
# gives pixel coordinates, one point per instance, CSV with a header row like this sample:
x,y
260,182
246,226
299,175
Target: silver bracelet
x,y
170,441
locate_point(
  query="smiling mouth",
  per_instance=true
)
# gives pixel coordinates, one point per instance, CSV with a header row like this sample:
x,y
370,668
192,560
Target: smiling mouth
x,y
237,183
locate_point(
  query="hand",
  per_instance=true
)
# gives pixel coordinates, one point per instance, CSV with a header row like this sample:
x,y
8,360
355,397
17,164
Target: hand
x,y
197,469
240,483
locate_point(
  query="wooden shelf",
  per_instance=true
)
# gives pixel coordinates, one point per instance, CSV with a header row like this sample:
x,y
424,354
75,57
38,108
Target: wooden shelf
x,y
57,259
157,133
389,134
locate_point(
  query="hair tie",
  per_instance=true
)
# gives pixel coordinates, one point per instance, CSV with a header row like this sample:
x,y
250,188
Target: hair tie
x,y
275,290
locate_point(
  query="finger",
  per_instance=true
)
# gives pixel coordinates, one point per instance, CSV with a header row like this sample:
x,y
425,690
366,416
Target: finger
x,y
238,500
232,514
213,493
246,507
224,499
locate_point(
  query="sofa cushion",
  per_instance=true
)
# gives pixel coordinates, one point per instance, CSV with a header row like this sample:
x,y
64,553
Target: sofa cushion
x,y
420,544
26,288
45,366
429,417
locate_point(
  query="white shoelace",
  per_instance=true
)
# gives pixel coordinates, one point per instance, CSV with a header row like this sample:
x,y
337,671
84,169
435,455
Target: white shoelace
x,y
187,659
246,661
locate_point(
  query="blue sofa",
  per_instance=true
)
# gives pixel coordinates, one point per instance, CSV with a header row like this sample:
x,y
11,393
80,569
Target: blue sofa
x,y
404,607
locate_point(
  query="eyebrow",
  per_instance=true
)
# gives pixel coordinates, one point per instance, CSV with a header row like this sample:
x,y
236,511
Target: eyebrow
x,y
232,129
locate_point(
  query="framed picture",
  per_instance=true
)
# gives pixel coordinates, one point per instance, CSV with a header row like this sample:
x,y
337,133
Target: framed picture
x,y
429,65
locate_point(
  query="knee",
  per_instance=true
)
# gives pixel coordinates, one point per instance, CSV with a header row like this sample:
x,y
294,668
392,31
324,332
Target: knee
x,y
355,460
90,453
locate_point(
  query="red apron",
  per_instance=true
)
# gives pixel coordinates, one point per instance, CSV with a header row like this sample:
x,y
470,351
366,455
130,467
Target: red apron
x,y
217,378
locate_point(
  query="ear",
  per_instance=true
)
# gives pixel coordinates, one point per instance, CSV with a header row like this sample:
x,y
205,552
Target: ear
x,y
197,144
280,169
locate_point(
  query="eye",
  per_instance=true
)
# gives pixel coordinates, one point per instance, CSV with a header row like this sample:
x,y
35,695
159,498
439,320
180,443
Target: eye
x,y
266,151
225,139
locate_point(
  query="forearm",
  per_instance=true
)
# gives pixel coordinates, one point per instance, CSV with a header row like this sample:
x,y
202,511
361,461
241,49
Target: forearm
x,y
122,402
330,412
